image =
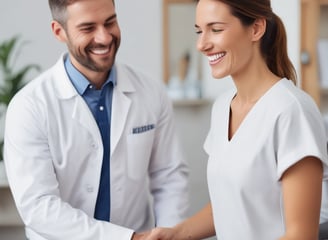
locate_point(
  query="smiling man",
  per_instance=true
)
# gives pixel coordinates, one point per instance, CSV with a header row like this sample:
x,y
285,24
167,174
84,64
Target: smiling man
x,y
90,145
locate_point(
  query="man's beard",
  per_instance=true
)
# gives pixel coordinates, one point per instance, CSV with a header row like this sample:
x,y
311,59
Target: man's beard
x,y
84,58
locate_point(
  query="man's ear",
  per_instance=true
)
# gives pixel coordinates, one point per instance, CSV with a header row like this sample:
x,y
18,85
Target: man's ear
x,y
58,31
259,27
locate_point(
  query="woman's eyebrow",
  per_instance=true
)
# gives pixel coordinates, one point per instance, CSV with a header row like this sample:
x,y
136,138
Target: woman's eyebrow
x,y
211,24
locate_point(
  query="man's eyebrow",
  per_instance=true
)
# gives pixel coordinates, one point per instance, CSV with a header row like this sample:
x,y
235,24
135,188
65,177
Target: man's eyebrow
x,y
111,18
84,24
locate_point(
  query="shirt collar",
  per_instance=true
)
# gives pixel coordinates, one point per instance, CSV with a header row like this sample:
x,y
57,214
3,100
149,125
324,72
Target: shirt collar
x,y
80,82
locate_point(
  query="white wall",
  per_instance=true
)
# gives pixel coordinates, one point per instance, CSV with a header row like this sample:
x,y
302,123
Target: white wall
x,y
141,28
32,22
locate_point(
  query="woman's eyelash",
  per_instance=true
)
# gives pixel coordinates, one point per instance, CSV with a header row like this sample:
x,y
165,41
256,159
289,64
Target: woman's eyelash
x,y
213,30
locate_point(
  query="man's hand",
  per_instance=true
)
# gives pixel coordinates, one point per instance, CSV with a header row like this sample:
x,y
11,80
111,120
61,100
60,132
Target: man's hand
x,y
140,236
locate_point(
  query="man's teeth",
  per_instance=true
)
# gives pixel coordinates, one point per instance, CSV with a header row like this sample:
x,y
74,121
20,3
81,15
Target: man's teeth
x,y
100,51
215,57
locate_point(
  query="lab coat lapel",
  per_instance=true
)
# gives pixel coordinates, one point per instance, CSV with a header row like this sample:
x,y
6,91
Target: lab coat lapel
x,y
83,115
121,103
65,91
120,109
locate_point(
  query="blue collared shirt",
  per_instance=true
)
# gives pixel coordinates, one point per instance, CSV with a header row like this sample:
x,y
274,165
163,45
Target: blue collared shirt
x,y
90,94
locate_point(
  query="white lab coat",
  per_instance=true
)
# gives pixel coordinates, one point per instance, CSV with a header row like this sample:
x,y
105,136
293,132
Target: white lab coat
x,y
53,156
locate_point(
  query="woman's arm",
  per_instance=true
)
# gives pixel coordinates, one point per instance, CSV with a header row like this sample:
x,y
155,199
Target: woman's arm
x,y
199,226
301,186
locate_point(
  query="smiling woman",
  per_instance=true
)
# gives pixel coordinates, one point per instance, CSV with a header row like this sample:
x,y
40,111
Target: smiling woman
x,y
257,159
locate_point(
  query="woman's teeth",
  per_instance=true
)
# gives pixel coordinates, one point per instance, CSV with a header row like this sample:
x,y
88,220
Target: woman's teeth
x,y
215,57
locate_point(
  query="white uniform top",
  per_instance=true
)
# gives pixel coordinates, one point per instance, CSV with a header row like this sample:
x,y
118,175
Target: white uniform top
x,y
244,173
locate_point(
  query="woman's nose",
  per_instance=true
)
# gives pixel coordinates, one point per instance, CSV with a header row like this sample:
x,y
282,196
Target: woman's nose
x,y
203,43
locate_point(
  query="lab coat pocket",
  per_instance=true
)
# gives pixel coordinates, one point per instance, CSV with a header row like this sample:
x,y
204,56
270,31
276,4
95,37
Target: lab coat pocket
x,y
139,150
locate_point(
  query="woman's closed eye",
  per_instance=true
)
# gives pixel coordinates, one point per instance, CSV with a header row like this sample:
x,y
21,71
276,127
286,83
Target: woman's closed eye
x,y
217,30
214,30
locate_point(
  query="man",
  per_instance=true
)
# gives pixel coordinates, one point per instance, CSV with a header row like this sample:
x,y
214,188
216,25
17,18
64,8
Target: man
x,y
73,176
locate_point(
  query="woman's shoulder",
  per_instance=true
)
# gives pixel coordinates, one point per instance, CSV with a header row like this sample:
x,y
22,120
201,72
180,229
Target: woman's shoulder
x,y
293,96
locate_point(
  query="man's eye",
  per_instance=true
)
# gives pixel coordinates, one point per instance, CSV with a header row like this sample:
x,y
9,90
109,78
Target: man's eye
x,y
109,24
87,29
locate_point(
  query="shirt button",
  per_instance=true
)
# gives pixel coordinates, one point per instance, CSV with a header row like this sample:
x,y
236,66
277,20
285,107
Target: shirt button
x,y
89,188
101,108
94,145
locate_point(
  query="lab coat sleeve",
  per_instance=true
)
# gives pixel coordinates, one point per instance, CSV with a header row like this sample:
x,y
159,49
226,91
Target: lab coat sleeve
x,y
33,182
168,170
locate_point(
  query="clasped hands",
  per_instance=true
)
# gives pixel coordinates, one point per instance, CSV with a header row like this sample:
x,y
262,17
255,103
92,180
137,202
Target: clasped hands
x,y
156,234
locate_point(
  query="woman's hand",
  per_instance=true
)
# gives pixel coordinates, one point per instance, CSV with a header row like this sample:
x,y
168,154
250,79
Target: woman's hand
x,y
156,234
162,234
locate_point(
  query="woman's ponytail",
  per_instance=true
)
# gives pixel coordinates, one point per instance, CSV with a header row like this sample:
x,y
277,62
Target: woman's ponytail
x,y
274,49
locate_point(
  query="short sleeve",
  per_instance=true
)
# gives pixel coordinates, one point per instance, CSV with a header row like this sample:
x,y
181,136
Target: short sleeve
x,y
300,133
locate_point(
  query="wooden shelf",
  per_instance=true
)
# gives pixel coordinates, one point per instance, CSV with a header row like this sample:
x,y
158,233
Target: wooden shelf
x,y
314,15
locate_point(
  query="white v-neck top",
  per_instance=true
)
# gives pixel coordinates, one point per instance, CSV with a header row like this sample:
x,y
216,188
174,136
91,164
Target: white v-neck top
x,y
283,127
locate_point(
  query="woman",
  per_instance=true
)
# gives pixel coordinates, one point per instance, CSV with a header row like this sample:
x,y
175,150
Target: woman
x,y
266,144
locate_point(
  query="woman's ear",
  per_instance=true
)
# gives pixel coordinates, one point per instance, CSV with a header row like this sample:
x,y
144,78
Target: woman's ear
x,y
259,27
58,31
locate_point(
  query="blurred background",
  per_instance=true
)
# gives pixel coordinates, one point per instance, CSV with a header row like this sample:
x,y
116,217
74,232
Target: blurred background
x,y
158,38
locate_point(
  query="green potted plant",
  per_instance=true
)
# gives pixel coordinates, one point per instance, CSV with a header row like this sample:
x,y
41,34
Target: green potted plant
x,y
11,79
